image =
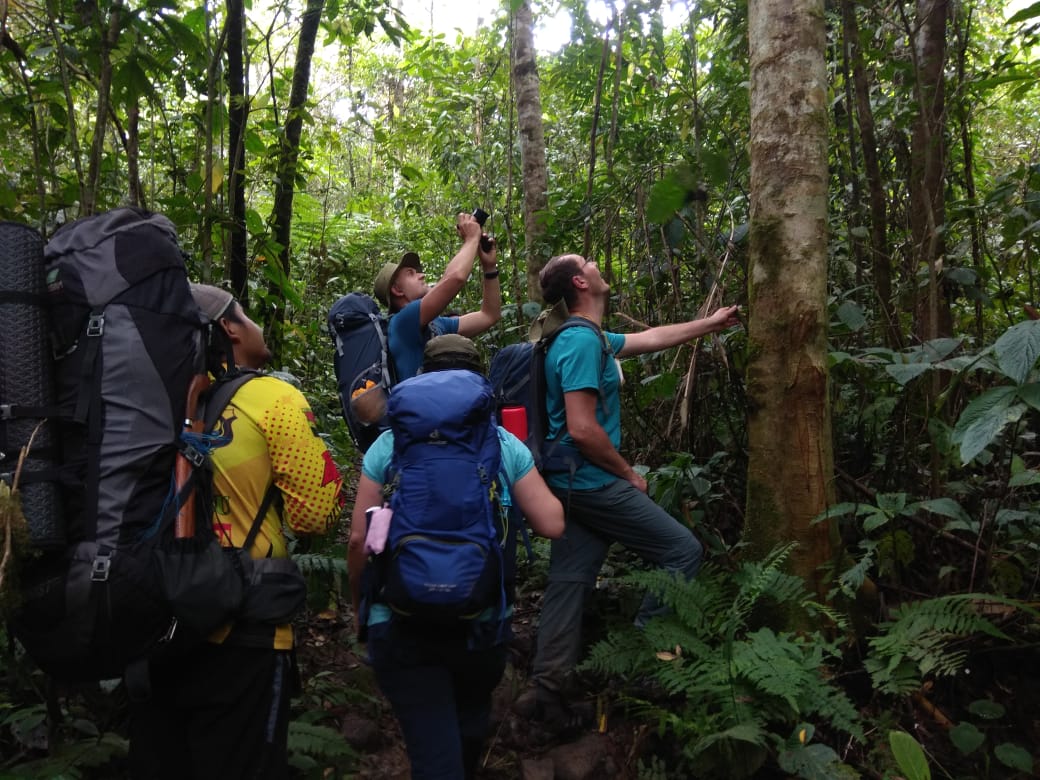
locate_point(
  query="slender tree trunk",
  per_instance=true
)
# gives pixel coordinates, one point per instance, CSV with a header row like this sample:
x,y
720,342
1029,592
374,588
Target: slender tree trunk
x,y
532,142
927,165
97,152
281,215
881,262
791,461
238,111
593,140
133,155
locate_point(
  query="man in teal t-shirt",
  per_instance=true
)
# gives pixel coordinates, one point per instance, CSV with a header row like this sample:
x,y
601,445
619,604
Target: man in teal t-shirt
x,y
605,497
417,308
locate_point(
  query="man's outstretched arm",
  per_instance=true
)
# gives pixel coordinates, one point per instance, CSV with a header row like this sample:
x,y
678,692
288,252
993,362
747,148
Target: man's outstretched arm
x,y
665,336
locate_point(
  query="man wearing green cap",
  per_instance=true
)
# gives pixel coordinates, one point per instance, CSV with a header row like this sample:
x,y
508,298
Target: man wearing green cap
x,y
418,308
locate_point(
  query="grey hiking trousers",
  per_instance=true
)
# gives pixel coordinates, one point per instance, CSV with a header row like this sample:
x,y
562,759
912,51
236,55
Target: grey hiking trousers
x,y
595,519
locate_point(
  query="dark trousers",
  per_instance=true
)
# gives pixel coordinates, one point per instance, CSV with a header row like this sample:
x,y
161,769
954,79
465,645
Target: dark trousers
x,y
596,519
219,712
440,691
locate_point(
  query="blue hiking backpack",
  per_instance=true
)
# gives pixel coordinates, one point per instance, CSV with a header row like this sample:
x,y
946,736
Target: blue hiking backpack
x,y
364,371
448,553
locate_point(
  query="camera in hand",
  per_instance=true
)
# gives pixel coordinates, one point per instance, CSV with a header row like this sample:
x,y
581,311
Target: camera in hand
x,y
486,242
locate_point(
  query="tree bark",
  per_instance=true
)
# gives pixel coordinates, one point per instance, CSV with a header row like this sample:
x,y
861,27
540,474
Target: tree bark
x,y
281,216
238,267
532,142
791,460
881,260
109,38
927,165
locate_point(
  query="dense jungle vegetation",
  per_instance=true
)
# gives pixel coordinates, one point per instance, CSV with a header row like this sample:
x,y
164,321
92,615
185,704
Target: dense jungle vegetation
x,y
299,145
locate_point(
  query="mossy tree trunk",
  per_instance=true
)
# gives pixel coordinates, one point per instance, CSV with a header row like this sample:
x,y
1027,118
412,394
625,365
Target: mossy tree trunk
x,y
791,460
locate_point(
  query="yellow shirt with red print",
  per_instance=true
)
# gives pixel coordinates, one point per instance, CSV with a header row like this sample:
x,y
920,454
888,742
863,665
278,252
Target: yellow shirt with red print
x,y
272,437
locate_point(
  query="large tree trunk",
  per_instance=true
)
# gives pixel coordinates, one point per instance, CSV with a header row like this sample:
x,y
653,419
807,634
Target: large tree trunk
x,y
791,461
532,142
281,216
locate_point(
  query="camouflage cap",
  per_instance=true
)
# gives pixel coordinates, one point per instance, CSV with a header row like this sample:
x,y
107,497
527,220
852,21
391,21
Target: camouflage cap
x,y
451,351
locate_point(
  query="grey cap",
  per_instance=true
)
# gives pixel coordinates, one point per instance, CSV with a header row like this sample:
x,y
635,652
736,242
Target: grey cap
x,y
385,277
213,301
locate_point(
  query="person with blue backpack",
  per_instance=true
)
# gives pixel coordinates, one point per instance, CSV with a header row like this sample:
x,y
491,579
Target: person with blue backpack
x,y
417,308
606,498
432,555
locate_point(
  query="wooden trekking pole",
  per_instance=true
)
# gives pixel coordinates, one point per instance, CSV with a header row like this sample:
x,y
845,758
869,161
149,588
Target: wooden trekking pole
x,y
184,526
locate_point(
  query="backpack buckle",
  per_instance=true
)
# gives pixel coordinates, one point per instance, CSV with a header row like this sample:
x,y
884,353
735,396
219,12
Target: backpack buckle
x,y
99,567
193,455
5,411
96,324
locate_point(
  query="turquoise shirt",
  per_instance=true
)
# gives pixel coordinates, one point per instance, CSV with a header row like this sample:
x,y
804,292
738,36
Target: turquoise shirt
x,y
407,338
576,361
516,462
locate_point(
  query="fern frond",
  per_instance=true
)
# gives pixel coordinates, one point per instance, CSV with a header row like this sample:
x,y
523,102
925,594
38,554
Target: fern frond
x,y
320,563
917,641
319,741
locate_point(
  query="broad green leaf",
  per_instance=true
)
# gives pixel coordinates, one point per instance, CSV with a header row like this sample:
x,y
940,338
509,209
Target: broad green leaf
x,y
1025,14
810,762
875,521
904,373
1018,349
966,737
988,709
1015,757
909,756
891,503
851,316
1030,393
946,507
666,197
983,419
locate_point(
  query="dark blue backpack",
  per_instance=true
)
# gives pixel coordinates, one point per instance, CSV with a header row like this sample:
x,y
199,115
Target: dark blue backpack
x,y
448,553
364,371
517,374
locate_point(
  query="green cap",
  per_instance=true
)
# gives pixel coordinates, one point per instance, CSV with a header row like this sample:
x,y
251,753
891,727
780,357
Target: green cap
x,y
385,277
451,351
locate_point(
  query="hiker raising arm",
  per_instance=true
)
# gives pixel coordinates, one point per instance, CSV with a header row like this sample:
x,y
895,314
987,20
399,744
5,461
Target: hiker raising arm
x,y
417,308
606,498
580,405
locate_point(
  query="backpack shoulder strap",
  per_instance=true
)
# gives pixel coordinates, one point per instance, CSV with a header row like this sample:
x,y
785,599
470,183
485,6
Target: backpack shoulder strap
x,y
222,391
218,398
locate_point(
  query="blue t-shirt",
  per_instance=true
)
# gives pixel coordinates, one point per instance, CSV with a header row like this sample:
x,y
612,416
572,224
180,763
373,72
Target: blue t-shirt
x,y
576,361
516,463
407,338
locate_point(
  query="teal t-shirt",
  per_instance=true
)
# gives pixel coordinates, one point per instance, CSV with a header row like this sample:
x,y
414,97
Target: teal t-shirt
x,y
576,361
516,462
407,339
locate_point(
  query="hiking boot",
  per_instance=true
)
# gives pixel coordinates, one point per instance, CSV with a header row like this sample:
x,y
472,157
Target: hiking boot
x,y
549,713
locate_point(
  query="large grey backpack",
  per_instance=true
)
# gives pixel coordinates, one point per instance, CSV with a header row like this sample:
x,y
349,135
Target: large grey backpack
x,y
128,340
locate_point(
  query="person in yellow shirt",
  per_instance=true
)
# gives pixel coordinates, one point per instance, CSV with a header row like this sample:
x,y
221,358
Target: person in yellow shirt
x,y
222,711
